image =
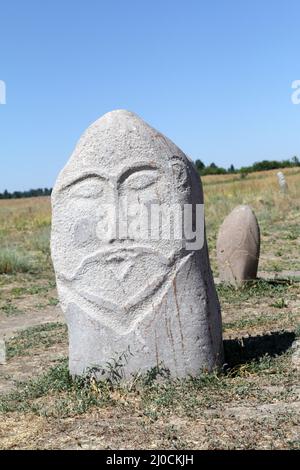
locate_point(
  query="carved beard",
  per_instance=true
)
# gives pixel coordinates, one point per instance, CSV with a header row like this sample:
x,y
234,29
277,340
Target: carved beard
x,y
129,281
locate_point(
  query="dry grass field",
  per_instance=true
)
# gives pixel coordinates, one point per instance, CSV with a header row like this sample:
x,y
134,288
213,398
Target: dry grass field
x,y
253,403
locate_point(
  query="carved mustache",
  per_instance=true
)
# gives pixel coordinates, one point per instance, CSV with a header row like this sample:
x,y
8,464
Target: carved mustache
x,y
115,254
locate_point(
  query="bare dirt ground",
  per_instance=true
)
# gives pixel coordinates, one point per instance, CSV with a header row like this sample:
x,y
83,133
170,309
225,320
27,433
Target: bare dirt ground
x,y
13,324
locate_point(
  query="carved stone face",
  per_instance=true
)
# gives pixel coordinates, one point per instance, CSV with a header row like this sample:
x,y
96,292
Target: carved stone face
x,y
119,164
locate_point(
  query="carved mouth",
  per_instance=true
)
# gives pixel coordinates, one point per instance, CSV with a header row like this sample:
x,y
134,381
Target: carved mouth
x,y
119,278
118,255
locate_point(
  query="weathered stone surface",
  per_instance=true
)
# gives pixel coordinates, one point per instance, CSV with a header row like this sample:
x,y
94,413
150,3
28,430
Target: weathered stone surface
x,y
238,246
154,301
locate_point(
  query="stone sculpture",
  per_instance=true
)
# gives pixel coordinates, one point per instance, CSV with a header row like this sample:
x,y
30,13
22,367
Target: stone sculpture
x,y
149,303
238,246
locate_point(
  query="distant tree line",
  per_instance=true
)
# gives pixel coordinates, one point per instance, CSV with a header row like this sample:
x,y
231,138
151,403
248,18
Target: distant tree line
x,y
30,193
213,169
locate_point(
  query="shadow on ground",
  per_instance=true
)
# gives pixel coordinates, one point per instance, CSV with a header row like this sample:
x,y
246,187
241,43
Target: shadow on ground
x,y
241,350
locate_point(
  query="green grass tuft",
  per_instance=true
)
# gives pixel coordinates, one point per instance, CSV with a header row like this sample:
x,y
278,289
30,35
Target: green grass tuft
x,y
14,261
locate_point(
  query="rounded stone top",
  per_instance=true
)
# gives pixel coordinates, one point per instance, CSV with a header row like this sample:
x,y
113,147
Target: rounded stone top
x,y
116,117
242,207
119,113
240,216
120,139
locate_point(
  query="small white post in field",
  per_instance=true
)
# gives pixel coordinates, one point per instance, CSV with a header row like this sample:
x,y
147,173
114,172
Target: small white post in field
x,y
282,182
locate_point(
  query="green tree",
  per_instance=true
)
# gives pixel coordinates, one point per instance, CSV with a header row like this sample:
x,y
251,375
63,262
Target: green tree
x,y
199,165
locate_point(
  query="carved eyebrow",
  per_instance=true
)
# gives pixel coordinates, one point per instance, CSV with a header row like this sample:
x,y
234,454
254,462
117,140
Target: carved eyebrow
x,y
83,178
133,170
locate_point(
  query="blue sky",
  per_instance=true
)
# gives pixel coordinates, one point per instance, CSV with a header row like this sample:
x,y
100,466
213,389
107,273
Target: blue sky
x,y
214,76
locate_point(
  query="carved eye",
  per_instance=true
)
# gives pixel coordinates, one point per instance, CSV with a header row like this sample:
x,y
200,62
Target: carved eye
x,y
180,175
180,172
142,179
88,189
84,232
